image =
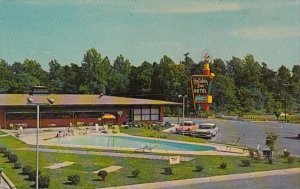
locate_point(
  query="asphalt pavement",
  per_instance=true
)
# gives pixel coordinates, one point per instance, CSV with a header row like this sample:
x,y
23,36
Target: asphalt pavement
x,y
253,134
270,182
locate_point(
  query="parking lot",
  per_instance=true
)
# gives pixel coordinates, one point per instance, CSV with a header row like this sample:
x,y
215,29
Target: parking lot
x,y
252,134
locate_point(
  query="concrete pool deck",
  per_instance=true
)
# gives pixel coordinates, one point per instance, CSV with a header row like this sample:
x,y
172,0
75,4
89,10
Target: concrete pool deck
x,y
29,137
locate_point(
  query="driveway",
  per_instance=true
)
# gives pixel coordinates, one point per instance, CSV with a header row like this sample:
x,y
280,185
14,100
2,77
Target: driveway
x,y
252,134
270,182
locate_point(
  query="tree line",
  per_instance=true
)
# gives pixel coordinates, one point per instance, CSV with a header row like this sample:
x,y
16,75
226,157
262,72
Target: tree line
x,y
240,85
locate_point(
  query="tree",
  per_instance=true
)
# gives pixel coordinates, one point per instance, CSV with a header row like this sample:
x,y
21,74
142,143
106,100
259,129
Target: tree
x,y
251,72
218,67
120,80
104,74
56,83
24,82
224,94
284,75
268,78
145,72
72,78
92,72
295,85
6,77
234,70
270,103
34,69
168,79
271,140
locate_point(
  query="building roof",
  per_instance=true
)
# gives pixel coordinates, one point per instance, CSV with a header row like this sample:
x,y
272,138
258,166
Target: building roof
x,y
76,99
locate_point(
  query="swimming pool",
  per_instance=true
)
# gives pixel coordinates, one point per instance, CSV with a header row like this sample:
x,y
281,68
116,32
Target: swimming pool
x,y
129,142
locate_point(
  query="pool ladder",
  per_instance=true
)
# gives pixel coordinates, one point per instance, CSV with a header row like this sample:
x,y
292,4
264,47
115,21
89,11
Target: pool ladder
x,y
113,141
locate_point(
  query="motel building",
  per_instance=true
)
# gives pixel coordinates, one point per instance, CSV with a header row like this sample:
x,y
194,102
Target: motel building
x,y
73,109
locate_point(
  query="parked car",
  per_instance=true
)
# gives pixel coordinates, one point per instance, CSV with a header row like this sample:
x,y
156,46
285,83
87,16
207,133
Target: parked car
x,y
186,127
218,115
206,130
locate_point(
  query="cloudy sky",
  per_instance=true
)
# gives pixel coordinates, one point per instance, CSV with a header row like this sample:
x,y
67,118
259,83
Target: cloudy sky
x,y
145,30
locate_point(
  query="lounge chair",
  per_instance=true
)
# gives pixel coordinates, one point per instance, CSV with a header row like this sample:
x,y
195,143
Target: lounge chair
x,y
11,126
116,129
228,147
146,148
105,129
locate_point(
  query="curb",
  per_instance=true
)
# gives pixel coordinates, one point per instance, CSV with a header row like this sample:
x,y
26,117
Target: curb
x,y
184,182
10,184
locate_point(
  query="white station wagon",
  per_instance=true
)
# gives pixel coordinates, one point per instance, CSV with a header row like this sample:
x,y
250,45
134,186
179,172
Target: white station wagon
x,y
206,130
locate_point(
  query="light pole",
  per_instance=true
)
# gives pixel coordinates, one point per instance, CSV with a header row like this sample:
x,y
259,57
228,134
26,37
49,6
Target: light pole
x,y
30,101
183,100
285,106
187,81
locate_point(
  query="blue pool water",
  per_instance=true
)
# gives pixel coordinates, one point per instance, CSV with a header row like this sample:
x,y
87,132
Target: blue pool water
x,y
129,142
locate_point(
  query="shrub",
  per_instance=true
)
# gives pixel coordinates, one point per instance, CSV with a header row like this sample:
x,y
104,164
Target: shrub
x,y
257,158
26,170
270,160
18,165
251,154
74,179
164,136
126,127
7,153
168,171
3,149
102,174
223,165
291,159
246,162
199,168
13,158
32,175
271,140
286,154
135,173
44,181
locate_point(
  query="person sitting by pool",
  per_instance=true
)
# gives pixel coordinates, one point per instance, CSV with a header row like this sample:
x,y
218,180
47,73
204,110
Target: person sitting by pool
x,y
58,135
70,132
86,131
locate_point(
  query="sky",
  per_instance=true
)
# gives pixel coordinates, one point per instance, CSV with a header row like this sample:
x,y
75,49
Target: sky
x,y
145,30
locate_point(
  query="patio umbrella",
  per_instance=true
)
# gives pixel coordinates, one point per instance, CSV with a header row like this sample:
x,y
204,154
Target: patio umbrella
x,y
108,116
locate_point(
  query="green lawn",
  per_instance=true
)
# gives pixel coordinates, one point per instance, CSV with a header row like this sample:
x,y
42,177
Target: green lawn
x,y
151,170
155,134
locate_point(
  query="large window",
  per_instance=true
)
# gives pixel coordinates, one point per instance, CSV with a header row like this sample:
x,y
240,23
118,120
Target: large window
x,y
146,114
137,114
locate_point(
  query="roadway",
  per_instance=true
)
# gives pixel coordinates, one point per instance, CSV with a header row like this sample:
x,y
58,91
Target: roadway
x,y
269,182
252,134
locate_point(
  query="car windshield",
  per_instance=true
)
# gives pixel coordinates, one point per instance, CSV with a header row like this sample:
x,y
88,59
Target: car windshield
x,y
206,126
187,124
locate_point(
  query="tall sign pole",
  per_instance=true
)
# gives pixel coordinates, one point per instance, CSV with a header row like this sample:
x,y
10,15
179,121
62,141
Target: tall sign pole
x,y
187,82
201,86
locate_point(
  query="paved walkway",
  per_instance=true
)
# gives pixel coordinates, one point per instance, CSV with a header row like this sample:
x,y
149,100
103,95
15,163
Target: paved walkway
x,y
3,184
112,154
60,165
30,138
178,183
110,169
